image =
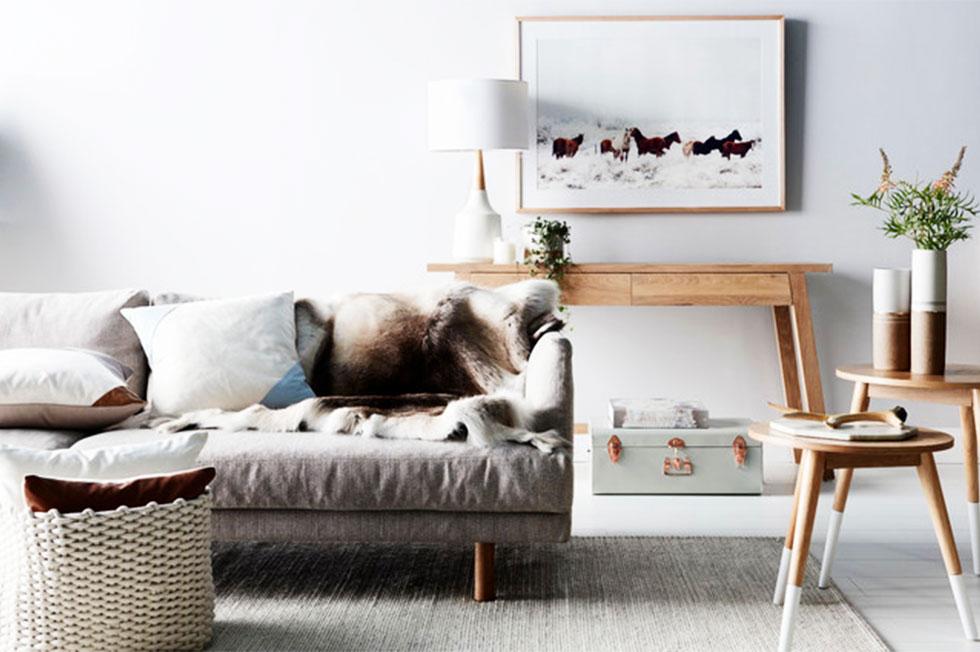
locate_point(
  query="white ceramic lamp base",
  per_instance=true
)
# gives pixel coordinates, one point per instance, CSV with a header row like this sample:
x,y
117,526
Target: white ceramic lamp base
x,y
476,227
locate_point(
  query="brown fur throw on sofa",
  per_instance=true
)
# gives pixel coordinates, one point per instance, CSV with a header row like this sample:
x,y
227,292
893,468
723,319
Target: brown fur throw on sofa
x,y
439,365
460,340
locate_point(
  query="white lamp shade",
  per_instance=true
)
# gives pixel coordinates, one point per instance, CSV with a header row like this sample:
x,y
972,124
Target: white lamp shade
x,y
467,114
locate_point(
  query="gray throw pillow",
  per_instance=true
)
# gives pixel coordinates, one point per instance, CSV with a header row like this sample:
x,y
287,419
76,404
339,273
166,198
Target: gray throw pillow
x,y
84,320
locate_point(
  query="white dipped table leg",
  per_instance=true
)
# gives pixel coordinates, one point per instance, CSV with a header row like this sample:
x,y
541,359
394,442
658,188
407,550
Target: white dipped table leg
x,y
780,592
830,548
790,609
963,606
973,511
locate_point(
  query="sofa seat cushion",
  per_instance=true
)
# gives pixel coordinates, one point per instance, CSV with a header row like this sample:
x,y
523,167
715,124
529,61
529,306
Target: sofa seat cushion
x,y
308,470
47,440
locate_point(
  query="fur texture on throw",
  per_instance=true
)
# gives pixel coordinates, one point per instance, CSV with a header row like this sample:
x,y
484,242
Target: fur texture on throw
x,y
459,339
366,354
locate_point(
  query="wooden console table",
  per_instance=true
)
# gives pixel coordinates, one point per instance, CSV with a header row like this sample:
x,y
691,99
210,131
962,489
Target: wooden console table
x,y
780,285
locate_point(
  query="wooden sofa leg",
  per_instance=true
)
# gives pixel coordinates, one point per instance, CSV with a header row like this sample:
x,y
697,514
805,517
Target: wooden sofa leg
x,y
483,588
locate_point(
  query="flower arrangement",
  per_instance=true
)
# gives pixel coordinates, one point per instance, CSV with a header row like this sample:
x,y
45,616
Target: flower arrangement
x,y
933,215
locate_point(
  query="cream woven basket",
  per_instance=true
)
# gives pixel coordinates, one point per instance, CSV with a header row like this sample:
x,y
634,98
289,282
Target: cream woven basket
x,y
128,579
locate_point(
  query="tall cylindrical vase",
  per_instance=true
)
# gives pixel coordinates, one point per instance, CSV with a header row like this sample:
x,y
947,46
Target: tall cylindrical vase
x,y
890,337
928,312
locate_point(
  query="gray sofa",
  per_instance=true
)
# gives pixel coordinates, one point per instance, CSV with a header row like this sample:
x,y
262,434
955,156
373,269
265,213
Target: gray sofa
x,y
313,487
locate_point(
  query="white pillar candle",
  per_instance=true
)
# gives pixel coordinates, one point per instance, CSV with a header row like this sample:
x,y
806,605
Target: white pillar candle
x,y
504,252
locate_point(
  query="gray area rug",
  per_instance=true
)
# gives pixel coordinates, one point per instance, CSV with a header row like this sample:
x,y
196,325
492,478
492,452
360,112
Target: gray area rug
x,y
590,594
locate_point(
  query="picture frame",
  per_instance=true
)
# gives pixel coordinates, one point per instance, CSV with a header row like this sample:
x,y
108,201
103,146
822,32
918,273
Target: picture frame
x,y
649,137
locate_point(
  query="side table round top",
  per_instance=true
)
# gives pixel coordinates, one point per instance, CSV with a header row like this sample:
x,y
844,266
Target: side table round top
x,y
924,441
957,376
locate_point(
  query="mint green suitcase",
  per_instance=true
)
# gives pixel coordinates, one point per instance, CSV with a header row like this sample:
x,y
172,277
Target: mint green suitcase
x,y
720,459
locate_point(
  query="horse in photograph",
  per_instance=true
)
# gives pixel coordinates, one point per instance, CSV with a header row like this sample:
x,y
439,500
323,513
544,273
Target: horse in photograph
x,y
620,153
438,365
740,149
702,148
656,145
606,147
566,147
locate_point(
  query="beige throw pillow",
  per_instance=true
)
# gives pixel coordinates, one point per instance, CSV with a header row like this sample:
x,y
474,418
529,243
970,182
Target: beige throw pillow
x,y
63,389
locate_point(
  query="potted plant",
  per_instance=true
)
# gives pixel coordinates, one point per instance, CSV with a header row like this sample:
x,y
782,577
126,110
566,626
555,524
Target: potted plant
x,y
934,216
547,254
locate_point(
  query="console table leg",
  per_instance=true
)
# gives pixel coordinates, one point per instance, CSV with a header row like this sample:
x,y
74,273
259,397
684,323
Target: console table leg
x,y
806,344
786,347
929,478
968,423
812,471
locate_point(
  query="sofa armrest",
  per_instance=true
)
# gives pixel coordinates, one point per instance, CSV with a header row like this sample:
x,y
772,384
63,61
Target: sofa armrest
x,y
548,384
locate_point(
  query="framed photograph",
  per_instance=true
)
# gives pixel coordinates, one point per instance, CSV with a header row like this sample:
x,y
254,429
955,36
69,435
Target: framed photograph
x,y
653,114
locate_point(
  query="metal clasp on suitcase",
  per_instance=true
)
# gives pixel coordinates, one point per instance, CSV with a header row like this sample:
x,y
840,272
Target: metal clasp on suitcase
x,y
615,449
678,465
740,450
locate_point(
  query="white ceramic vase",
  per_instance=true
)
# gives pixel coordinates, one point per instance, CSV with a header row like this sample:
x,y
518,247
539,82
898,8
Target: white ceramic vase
x,y
928,312
891,321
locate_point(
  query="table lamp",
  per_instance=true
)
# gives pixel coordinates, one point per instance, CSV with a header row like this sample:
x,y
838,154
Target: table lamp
x,y
477,114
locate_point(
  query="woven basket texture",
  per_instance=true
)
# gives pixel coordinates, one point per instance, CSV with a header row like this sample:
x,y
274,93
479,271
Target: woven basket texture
x,y
128,579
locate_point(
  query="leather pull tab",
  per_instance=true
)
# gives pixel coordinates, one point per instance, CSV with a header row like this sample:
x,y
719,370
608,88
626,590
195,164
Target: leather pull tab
x,y
740,449
615,449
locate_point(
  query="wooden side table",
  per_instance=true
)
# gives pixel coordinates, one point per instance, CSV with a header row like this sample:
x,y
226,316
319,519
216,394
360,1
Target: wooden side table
x,y
821,454
959,386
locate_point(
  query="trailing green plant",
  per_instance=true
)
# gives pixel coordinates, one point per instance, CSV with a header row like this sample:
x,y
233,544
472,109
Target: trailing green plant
x,y
933,215
547,255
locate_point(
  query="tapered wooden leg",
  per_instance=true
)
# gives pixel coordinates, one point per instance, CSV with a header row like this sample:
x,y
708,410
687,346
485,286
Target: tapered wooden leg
x,y
806,344
812,468
786,346
859,403
968,422
789,371
483,585
933,491
780,592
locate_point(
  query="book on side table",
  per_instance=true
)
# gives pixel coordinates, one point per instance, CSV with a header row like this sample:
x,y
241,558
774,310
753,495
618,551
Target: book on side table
x,y
856,431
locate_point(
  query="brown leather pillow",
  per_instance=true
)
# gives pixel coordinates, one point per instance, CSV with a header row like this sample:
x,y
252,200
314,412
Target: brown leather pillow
x,y
43,494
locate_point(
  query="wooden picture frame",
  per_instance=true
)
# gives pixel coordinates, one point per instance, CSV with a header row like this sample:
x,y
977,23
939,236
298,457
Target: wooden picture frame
x,y
581,75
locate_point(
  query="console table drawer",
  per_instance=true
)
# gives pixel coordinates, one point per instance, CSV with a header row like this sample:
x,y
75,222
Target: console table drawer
x,y
711,289
576,289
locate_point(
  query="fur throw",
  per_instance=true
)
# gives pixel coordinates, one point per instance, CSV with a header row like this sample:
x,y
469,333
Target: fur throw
x,y
460,340
395,365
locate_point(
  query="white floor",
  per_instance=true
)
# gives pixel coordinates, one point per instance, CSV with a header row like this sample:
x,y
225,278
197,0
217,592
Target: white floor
x,y
888,563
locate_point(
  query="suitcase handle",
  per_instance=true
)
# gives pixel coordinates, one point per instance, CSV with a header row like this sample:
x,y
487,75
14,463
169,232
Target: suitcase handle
x,y
678,465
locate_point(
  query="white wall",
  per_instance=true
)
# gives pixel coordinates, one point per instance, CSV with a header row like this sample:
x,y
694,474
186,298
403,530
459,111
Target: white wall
x,y
233,146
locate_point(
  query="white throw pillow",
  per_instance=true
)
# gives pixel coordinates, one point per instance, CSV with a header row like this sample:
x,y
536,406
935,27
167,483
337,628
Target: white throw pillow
x,y
63,388
226,353
113,463
63,376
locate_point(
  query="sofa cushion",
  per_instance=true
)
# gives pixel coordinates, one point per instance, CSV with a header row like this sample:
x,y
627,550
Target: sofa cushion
x,y
226,353
85,320
46,440
43,494
64,388
309,470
